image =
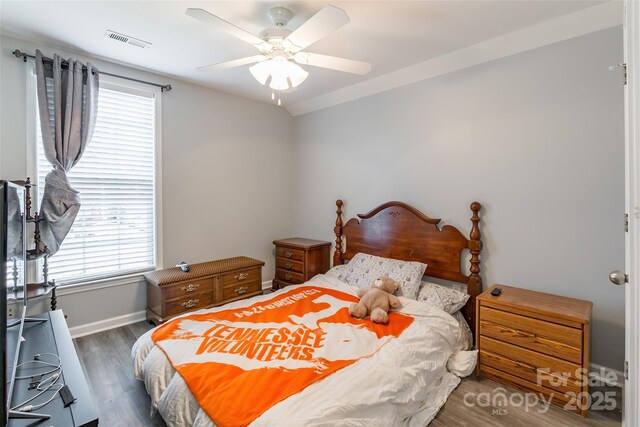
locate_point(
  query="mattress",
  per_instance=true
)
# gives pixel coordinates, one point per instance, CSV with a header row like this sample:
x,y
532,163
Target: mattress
x,y
405,382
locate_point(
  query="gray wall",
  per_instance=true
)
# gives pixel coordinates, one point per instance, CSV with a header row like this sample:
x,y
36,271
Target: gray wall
x,y
537,138
224,191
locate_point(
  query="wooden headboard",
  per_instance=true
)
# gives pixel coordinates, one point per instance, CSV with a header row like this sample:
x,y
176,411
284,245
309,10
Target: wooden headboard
x,y
399,231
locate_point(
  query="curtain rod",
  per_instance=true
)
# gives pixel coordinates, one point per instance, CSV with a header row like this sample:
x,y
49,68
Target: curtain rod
x,y
18,54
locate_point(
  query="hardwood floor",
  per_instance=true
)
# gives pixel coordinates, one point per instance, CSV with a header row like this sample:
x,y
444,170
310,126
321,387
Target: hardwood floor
x,y
121,400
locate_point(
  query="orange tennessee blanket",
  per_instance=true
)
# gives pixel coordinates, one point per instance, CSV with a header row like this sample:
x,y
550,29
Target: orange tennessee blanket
x,y
240,362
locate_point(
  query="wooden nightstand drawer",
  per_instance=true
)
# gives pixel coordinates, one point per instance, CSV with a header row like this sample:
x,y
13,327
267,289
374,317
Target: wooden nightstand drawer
x,y
287,264
241,289
240,277
289,276
289,253
549,338
180,290
189,303
537,374
559,399
531,358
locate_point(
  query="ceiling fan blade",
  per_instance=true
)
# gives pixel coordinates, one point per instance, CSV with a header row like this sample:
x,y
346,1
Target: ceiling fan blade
x,y
329,19
227,27
333,63
234,63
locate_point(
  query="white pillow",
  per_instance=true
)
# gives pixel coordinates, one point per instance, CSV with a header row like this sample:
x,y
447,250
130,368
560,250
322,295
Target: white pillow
x,y
340,272
447,299
363,269
462,363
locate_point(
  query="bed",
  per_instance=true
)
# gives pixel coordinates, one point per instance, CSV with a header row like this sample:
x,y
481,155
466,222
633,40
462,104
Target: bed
x,y
314,364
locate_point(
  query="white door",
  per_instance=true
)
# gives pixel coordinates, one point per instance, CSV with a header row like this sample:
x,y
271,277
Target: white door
x,y
631,415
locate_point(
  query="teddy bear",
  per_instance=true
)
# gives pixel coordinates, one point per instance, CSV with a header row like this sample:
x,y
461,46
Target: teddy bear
x,y
376,301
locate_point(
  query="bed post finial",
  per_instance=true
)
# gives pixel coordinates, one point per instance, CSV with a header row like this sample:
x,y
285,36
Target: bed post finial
x,y
337,254
475,219
475,246
474,286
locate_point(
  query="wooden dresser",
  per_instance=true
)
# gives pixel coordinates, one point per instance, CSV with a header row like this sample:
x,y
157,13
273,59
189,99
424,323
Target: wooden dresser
x,y
171,291
298,260
536,342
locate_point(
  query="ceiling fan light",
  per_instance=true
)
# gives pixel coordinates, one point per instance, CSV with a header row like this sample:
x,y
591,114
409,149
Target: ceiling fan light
x,y
296,74
261,71
281,73
279,82
279,69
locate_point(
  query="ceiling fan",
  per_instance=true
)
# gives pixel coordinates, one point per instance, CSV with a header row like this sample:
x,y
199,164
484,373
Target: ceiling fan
x,y
281,50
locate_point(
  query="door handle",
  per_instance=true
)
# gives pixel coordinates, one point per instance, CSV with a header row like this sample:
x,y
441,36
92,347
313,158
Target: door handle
x,y
618,277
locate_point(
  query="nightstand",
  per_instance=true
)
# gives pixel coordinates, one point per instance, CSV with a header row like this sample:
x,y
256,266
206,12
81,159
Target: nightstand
x,y
298,260
535,342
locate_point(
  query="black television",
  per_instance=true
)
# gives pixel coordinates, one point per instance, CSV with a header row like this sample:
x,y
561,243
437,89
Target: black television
x,y
13,292
12,284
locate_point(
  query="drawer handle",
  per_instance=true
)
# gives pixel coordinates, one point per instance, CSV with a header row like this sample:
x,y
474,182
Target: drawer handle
x,y
519,364
241,276
289,265
529,334
241,290
288,254
287,276
191,287
190,303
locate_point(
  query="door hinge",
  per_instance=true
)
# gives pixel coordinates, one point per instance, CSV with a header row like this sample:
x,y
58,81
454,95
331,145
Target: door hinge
x,y
626,370
626,223
624,71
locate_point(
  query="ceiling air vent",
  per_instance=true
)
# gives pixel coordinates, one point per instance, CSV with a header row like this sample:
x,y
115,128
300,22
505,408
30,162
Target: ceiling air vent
x,y
126,39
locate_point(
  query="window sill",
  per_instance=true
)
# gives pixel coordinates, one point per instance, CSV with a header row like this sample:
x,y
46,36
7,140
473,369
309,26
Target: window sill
x,y
93,285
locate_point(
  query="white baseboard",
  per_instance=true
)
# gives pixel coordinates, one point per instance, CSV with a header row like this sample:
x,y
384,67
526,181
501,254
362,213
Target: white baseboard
x,y
106,324
116,322
608,376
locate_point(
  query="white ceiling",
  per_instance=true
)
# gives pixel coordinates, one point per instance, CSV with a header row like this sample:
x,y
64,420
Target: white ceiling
x,y
391,35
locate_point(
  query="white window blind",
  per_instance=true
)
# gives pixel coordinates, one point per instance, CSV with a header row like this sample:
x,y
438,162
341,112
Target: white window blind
x,y
114,232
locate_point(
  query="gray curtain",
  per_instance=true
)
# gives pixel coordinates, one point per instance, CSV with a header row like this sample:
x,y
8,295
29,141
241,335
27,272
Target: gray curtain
x,y
68,104
14,224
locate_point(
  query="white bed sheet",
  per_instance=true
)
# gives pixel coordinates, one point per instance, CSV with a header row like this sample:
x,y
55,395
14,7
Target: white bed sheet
x,y
404,383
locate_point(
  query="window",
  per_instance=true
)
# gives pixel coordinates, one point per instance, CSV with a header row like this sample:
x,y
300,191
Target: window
x,y
115,230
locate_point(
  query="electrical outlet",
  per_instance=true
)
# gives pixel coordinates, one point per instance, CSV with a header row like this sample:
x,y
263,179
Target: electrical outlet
x,y
10,311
